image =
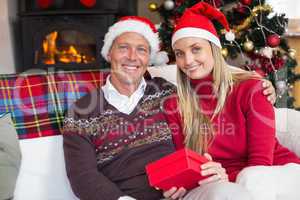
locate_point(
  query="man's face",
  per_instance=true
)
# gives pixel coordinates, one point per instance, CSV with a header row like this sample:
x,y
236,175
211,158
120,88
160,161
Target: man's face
x,y
129,57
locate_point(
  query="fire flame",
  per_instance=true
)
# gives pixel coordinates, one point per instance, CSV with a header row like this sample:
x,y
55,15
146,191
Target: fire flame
x,y
52,55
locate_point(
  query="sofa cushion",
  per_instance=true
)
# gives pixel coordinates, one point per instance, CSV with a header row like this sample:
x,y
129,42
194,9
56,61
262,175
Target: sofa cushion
x,y
10,157
37,101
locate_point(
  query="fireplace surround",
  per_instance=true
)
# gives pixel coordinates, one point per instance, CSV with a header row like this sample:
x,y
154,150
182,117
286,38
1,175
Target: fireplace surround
x,y
67,34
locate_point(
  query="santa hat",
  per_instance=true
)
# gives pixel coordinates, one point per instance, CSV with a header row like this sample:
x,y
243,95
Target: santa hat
x,y
138,25
197,22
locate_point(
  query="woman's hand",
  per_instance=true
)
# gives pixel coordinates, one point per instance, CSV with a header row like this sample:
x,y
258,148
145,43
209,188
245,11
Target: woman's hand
x,y
174,193
214,170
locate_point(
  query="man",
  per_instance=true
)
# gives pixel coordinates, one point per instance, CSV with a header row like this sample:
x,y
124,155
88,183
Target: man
x,y
107,148
111,134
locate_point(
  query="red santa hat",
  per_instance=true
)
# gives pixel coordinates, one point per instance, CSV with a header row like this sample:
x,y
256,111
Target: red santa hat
x,y
138,25
197,22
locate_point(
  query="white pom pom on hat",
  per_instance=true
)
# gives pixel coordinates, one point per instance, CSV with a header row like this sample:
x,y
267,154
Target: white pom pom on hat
x,y
161,58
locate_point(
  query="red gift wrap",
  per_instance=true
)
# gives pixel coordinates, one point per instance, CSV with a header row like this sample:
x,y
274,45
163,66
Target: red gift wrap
x,y
179,169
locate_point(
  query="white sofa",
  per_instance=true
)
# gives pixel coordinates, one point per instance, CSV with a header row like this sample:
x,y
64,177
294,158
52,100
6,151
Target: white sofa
x,y
43,177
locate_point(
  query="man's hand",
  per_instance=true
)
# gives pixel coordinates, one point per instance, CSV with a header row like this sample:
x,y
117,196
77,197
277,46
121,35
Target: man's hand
x,y
214,170
269,91
174,193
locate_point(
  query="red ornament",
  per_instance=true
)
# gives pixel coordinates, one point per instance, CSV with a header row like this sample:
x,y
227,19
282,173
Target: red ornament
x,y
44,3
246,2
273,40
241,9
88,3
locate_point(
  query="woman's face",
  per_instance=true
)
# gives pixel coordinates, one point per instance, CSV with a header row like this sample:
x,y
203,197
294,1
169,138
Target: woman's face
x,y
194,57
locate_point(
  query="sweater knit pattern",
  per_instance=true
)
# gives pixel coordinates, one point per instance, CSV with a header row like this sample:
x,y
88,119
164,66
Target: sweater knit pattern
x,y
112,132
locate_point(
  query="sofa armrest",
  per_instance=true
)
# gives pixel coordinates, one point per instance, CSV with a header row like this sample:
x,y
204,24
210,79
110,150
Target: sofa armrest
x,y
271,182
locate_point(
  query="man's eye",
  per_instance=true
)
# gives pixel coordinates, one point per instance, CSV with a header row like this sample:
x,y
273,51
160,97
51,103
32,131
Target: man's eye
x,y
123,47
141,49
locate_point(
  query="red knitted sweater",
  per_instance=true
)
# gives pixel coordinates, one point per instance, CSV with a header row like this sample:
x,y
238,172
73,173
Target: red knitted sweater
x,y
244,130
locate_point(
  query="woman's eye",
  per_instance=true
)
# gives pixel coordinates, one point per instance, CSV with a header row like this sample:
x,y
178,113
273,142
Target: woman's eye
x,y
196,49
178,54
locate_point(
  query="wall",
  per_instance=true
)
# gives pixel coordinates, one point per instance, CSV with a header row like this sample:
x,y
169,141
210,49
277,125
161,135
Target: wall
x,y
294,42
7,17
289,7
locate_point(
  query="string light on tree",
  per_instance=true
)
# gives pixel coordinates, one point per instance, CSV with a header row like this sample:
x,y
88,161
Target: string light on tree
x,y
153,7
169,4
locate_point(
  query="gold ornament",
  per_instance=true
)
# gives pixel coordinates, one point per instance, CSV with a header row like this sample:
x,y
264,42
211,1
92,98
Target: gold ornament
x,y
224,52
152,7
291,90
248,45
292,53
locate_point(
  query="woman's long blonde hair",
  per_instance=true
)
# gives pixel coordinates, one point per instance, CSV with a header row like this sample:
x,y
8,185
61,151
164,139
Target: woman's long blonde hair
x,y
198,127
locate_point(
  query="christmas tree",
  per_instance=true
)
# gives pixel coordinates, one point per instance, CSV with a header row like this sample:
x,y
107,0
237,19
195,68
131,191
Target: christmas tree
x,y
259,42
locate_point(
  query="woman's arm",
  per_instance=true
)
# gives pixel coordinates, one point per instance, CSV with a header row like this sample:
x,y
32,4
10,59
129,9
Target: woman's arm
x,y
260,127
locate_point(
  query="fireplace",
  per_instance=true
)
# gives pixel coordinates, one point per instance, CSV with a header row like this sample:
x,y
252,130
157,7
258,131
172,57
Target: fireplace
x,y
67,35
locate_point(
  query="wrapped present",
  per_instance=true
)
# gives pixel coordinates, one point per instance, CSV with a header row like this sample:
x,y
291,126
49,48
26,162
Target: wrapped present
x,y
179,169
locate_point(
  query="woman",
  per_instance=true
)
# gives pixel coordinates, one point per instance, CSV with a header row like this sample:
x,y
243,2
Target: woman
x,y
221,112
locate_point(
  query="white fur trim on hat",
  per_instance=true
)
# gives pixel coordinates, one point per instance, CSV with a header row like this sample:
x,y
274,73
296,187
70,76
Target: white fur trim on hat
x,y
130,26
195,32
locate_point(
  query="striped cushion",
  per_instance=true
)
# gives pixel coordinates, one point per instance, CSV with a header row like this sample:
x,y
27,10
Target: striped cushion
x,y
38,101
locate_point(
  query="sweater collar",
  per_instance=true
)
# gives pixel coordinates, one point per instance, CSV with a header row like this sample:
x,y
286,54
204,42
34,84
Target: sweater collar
x,y
204,86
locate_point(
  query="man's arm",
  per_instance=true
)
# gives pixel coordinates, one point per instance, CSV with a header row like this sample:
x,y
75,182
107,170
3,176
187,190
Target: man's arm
x,y
86,181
